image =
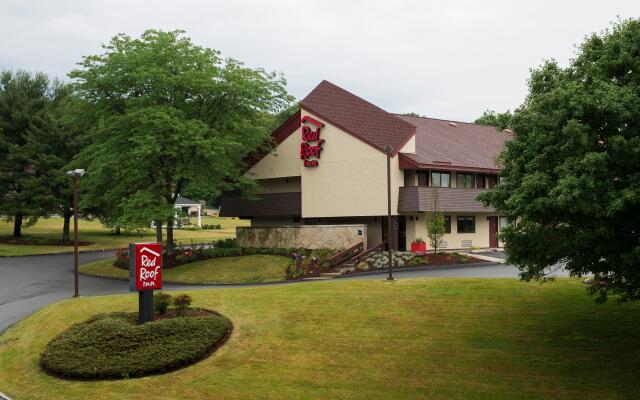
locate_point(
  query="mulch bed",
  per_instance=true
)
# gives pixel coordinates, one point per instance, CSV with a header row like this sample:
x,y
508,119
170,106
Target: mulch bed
x,y
448,259
34,241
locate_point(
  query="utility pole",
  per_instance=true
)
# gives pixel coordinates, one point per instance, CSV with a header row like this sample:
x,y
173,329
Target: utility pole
x,y
74,176
388,150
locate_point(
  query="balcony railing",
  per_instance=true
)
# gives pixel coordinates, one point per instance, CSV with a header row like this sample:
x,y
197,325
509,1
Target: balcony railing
x,y
263,205
422,199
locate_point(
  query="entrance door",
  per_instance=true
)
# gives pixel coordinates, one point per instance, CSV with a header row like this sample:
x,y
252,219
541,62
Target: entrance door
x,y
402,233
493,231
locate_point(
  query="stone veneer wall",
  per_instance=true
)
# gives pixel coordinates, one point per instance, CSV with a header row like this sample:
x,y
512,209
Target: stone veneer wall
x,y
337,237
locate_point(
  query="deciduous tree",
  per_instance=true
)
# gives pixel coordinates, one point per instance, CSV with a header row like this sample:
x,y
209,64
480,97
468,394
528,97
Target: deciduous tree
x,y
171,118
572,171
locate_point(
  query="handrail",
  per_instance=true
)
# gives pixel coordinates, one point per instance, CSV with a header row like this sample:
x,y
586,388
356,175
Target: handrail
x,y
346,254
373,249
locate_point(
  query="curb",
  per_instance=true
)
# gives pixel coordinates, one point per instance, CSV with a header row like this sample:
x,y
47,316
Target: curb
x,y
419,268
375,272
58,254
4,396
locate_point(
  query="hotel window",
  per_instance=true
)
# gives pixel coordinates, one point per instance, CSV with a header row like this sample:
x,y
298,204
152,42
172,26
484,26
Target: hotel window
x,y
466,181
447,224
491,180
409,178
466,224
440,179
423,178
502,222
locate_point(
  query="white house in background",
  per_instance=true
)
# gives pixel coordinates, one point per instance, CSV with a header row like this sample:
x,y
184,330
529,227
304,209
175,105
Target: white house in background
x,y
189,206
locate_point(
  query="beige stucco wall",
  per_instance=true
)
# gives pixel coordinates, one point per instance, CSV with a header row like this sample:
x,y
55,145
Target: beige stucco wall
x,y
338,237
480,238
350,179
282,161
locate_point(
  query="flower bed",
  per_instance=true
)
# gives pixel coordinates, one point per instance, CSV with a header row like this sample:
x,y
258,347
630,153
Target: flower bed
x,y
304,262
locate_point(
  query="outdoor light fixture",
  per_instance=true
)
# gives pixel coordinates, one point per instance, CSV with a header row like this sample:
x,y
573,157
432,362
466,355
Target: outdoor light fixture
x,y
74,175
388,150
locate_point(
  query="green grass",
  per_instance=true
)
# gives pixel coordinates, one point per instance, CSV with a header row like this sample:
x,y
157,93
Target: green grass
x,y
113,345
414,338
243,269
103,238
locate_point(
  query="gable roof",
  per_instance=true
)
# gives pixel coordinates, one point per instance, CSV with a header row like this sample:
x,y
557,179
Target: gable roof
x,y
442,144
185,201
356,116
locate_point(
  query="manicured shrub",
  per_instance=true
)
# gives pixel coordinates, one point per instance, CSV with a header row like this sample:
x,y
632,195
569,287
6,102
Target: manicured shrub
x,y
225,243
161,302
211,226
182,302
122,258
113,346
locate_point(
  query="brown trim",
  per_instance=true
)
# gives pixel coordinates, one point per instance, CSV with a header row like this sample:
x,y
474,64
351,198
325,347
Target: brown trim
x,y
408,163
278,136
355,135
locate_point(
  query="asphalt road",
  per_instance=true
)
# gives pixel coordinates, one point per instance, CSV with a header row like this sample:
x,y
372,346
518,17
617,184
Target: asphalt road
x,y
32,282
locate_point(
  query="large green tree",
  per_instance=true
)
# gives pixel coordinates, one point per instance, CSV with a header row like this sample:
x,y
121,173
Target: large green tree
x,y
572,171
499,120
25,101
170,118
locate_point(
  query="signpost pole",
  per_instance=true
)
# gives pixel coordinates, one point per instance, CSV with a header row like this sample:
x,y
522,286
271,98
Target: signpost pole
x,y
145,306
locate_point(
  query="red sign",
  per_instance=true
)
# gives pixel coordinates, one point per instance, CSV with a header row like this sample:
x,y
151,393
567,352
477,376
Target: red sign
x,y
148,268
310,136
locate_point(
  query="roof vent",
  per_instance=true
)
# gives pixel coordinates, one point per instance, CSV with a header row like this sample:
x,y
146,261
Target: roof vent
x,y
453,124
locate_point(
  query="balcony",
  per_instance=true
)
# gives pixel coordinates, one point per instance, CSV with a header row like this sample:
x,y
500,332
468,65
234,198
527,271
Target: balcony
x,y
263,205
422,198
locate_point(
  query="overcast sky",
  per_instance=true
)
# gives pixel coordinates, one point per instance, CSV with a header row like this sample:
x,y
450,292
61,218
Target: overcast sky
x,y
444,59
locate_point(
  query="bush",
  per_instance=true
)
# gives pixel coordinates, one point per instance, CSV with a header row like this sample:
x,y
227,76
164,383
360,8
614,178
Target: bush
x,y
182,302
113,346
122,258
211,226
161,302
225,243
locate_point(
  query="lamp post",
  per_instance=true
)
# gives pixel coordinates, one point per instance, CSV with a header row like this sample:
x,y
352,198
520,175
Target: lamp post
x,y
74,176
388,150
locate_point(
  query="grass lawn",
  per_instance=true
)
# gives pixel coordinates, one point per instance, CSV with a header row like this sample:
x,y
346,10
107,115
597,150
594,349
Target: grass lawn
x,y
243,269
103,238
413,338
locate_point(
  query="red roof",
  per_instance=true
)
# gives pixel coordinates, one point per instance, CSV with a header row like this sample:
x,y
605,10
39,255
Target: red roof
x,y
367,122
442,144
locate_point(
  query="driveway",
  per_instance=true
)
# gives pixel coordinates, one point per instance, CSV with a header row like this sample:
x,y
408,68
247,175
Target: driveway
x,y
32,282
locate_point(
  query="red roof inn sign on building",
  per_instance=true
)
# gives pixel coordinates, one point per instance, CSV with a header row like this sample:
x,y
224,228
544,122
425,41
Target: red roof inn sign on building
x,y
145,275
309,152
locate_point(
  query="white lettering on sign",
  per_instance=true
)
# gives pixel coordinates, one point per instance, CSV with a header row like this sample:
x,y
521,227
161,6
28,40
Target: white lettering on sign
x,y
149,273
147,262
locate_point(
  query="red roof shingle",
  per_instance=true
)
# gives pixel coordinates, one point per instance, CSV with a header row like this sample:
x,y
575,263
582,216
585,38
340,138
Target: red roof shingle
x,y
364,120
441,145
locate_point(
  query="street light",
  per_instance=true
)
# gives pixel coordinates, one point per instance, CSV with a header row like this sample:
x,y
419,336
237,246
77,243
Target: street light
x,y
388,150
74,175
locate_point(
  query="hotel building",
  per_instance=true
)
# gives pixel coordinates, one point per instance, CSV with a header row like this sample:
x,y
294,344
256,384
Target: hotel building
x,y
329,167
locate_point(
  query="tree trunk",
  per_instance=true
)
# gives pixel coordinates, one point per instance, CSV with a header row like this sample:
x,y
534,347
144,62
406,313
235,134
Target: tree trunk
x,y
170,235
159,231
65,226
117,230
17,225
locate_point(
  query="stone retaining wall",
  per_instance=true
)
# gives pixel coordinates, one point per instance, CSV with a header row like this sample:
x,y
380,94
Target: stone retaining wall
x,y
337,237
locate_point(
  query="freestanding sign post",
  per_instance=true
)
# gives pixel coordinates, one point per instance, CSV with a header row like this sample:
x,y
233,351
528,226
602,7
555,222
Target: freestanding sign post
x,y
145,275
